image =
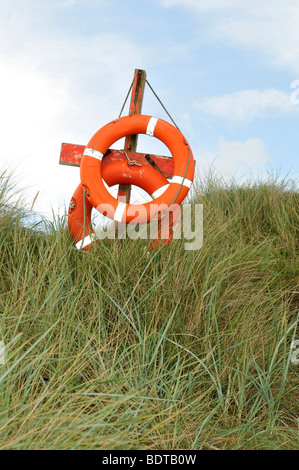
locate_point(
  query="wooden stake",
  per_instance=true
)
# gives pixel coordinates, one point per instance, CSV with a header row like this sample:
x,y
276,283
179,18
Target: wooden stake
x,y
124,192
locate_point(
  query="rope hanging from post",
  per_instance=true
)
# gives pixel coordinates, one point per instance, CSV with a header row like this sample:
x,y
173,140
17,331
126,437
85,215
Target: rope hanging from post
x,y
126,99
156,96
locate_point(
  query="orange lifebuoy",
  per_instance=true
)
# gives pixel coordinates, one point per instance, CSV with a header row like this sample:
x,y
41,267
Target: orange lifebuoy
x,y
115,172
91,166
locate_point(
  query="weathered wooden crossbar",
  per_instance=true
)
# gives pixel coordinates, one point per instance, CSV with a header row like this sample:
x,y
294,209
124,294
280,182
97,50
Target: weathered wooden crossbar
x,y
71,155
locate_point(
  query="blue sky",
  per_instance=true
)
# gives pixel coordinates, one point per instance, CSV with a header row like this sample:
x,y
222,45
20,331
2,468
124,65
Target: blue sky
x,y
223,68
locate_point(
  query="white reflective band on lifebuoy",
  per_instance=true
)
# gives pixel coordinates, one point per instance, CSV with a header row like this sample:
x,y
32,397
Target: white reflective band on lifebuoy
x,y
151,125
93,153
181,180
86,241
120,211
159,191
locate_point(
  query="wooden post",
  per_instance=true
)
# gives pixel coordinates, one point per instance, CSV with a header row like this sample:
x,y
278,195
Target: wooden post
x,y
124,192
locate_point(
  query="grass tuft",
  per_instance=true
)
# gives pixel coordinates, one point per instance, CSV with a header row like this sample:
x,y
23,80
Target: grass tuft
x,y
118,349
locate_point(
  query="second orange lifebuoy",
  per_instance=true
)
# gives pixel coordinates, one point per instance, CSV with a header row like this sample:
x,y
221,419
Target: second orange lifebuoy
x,y
116,172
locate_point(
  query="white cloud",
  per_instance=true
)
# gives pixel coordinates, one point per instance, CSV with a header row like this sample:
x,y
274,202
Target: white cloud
x,y
252,152
234,158
247,105
56,88
33,122
268,26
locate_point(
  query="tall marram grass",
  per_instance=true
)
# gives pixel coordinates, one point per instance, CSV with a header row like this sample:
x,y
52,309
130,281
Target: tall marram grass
x,y
118,349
